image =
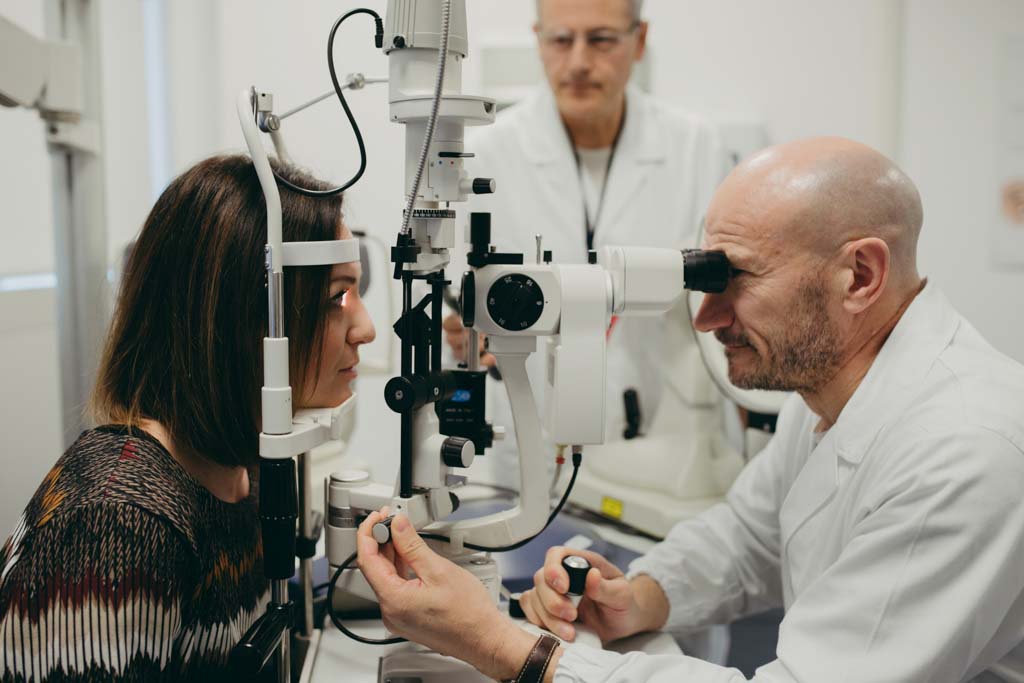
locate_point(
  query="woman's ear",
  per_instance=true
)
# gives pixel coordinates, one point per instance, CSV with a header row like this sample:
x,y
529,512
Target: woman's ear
x,y
868,262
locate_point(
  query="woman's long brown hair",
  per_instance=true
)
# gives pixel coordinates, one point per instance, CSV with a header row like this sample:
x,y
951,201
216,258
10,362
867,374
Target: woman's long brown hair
x,y
185,343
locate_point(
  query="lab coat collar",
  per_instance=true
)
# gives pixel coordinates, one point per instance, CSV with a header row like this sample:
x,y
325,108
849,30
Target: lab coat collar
x,y
924,330
548,142
547,146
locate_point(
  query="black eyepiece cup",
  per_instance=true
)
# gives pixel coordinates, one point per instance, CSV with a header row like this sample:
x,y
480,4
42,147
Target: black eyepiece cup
x,y
706,271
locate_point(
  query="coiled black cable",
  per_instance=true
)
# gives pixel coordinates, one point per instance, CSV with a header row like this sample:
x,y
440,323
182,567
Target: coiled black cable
x,y
379,42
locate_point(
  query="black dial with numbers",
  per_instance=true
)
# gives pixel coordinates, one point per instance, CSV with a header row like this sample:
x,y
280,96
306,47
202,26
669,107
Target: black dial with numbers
x,y
515,302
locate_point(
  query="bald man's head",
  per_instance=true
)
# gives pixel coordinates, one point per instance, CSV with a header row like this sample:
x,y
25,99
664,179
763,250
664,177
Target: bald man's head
x,y
822,234
821,193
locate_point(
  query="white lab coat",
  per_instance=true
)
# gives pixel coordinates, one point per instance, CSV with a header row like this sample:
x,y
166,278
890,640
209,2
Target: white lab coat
x,y
665,169
896,544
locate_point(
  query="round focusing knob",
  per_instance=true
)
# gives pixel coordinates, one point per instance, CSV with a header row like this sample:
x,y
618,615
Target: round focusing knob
x,y
577,568
515,302
382,531
457,451
484,186
400,394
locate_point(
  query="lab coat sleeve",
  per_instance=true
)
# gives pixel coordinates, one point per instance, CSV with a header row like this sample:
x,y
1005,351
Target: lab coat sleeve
x,y
933,566
724,563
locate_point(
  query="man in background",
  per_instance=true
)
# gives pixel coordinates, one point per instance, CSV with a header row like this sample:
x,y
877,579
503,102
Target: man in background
x,y
587,161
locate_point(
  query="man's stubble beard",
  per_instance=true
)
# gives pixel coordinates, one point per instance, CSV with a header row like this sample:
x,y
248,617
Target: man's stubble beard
x,y
803,354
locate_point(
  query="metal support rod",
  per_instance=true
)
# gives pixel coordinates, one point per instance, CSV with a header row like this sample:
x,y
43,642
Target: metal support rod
x,y
306,531
354,81
437,289
405,464
80,223
279,596
473,350
406,342
275,302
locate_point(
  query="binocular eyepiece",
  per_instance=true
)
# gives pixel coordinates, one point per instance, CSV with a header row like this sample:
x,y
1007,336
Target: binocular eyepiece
x,y
706,271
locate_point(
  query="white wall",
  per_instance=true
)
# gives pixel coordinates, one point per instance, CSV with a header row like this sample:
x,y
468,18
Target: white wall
x,y
951,148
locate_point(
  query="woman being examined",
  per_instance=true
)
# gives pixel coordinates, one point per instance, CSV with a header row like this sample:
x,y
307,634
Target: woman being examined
x,y
139,557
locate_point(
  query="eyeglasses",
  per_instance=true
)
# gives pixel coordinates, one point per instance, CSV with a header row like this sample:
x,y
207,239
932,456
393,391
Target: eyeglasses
x,y
598,40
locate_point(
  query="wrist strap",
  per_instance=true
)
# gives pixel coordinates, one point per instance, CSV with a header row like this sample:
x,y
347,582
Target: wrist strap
x,y
537,663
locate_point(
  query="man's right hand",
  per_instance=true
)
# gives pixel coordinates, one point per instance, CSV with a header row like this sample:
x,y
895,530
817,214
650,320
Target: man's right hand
x,y
458,339
612,606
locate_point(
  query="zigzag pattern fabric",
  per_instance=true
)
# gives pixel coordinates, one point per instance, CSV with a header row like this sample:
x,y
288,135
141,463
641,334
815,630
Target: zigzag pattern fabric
x,y
124,568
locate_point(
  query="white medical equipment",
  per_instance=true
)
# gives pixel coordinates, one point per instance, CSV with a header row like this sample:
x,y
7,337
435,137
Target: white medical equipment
x,y
683,463
60,77
567,306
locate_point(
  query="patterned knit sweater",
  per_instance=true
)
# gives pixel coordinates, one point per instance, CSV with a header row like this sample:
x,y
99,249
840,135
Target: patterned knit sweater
x,y
124,568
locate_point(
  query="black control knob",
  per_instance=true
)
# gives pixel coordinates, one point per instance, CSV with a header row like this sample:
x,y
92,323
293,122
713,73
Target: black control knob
x,y
467,299
515,302
484,186
400,394
515,609
577,568
457,451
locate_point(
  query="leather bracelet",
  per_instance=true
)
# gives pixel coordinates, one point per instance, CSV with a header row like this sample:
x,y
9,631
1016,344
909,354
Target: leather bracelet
x,y
537,663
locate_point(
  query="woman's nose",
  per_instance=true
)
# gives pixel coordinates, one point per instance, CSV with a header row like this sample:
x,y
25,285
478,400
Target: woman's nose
x,y
363,331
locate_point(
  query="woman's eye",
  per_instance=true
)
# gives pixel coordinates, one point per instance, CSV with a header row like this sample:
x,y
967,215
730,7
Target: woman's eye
x,y
339,298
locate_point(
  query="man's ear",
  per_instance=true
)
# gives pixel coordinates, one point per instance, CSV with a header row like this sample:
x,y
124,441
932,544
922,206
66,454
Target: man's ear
x,y
641,41
867,261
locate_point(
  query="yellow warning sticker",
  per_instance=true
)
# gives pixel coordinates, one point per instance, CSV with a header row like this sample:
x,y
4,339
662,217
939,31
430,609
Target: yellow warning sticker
x,y
611,507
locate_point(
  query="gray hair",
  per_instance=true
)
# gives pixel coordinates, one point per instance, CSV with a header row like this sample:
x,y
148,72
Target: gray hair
x,y
636,8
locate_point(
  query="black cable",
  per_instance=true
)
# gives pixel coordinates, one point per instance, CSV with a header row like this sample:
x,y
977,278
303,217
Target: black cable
x,y
337,621
378,41
576,460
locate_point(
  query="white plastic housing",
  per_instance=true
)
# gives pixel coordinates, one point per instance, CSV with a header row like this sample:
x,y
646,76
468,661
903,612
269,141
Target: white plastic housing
x,y
576,373
418,24
645,280
276,392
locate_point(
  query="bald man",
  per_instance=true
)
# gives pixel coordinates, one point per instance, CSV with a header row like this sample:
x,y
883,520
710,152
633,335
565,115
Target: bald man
x,y
885,516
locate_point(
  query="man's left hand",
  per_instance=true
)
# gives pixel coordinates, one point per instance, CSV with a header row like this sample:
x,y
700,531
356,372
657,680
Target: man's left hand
x,y
442,606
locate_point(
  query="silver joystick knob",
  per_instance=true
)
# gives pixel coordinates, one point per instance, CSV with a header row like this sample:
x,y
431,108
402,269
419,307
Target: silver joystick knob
x,y
382,531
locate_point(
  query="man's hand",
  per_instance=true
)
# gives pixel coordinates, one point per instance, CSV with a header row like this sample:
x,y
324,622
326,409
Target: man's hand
x,y
458,339
443,606
612,606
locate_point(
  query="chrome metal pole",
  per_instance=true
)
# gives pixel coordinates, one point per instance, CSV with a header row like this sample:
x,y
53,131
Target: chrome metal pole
x,y
279,596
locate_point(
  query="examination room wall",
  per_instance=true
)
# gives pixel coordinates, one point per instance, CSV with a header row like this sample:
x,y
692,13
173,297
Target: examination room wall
x,y
915,79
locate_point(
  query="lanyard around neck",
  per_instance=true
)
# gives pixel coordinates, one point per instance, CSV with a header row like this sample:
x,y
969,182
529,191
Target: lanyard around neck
x,y
592,225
